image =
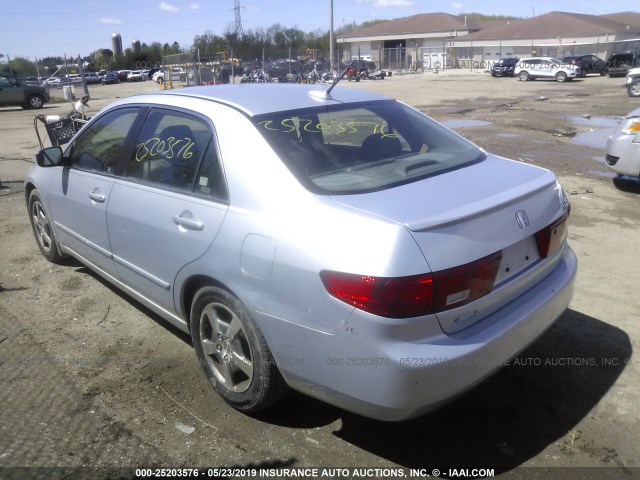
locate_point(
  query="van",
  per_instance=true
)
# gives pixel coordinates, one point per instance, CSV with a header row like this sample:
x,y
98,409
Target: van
x,y
619,64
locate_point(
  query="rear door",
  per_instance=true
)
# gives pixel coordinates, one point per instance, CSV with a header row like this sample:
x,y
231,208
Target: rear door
x,y
168,206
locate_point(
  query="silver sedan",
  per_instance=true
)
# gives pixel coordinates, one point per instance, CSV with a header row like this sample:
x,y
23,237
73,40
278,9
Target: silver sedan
x,y
339,243
623,146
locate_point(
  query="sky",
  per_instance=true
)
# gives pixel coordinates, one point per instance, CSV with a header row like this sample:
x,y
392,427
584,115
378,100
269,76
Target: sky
x,y
39,28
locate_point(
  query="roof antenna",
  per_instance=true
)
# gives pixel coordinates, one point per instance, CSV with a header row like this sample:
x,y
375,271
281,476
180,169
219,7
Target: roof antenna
x,y
335,82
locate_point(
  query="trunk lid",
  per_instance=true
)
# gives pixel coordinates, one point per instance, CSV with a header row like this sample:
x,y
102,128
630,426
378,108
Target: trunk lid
x,y
458,217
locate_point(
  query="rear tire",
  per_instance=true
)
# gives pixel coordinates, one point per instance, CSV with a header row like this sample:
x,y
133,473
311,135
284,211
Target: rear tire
x,y
233,353
633,89
34,101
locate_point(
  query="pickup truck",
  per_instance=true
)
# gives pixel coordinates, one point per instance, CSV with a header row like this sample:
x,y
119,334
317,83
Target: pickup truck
x,y
15,93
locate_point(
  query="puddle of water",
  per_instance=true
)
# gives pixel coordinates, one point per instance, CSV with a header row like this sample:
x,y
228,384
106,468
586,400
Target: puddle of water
x,y
508,135
464,123
594,139
604,122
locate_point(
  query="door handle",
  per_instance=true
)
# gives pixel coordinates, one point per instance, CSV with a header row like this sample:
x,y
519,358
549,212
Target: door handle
x,y
96,196
185,220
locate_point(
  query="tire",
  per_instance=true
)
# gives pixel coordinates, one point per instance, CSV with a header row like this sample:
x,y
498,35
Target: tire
x,y
43,230
160,80
561,77
633,89
239,366
35,101
523,76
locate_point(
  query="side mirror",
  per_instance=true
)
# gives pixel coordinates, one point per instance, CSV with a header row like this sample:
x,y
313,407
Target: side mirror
x,y
50,157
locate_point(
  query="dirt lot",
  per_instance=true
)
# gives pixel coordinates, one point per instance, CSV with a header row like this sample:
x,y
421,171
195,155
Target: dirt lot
x,y
91,378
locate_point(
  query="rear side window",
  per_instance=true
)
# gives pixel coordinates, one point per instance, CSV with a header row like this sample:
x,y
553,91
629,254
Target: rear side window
x,y
357,148
176,151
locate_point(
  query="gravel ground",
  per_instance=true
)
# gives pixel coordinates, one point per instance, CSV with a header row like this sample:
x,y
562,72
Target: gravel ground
x,y
90,378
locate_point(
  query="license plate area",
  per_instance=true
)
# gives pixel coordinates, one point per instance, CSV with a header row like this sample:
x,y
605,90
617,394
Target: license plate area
x,y
516,258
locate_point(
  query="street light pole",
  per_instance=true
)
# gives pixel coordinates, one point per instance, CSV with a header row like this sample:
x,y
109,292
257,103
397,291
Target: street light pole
x,y
331,36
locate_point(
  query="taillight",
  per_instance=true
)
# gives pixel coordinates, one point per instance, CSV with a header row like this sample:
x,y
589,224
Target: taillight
x,y
417,295
552,237
399,297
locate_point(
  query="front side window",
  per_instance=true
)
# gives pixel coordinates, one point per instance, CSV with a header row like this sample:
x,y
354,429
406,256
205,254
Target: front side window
x,y
176,150
363,147
102,143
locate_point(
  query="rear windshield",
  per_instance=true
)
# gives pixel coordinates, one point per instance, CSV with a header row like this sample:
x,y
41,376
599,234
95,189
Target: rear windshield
x,y
363,147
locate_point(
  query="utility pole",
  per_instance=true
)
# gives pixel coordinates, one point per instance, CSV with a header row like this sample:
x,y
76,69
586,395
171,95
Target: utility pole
x,y
238,26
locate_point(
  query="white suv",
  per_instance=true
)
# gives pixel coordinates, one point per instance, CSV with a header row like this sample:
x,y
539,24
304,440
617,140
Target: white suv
x,y
545,67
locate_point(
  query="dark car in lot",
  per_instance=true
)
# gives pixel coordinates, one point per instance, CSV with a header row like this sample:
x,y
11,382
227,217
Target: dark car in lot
x,y
15,93
504,67
619,64
110,77
587,63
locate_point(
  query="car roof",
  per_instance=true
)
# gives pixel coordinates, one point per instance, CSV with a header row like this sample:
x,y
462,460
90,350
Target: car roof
x,y
256,99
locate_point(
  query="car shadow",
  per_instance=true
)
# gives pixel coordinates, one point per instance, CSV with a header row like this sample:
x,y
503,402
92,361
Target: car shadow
x,y
502,423
185,337
627,184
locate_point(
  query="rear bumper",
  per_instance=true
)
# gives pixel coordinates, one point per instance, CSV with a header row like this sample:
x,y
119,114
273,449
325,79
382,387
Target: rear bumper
x,y
383,370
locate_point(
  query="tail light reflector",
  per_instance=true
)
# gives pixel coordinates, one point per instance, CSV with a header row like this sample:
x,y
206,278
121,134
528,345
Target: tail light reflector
x,y
417,295
552,237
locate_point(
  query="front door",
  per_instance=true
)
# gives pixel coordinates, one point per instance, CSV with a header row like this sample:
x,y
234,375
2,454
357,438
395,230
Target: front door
x,y
80,193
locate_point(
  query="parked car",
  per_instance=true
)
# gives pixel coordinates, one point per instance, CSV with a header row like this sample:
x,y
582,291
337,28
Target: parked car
x,y
152,71
504,67
92,77
110,78
15,93
587,63
123,75
136,76
619,64
53,82
353,249
623,146
177,75
281,68
546,67
633,82
34,81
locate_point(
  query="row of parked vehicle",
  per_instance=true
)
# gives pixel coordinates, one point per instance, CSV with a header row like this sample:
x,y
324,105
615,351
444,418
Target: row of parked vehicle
x,y
566,68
